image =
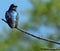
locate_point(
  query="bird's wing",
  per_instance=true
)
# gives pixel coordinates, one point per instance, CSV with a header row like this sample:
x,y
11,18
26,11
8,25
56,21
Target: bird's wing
x,y
8,19
7,16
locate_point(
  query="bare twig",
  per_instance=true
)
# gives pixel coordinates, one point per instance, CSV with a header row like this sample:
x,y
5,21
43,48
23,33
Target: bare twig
x,y
37,37
34,35
4,20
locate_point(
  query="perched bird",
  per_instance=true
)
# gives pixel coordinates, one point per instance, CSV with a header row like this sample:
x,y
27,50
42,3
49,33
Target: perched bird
x,y
12,16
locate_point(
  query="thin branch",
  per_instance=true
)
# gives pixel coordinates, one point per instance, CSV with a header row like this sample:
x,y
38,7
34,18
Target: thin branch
x,y
34,35
4,20
37,37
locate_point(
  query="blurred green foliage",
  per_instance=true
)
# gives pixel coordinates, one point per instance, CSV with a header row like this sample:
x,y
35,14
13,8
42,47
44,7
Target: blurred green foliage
x,y
42,13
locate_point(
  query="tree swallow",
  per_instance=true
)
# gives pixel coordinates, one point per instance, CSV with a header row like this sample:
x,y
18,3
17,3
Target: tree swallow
x,y
12,16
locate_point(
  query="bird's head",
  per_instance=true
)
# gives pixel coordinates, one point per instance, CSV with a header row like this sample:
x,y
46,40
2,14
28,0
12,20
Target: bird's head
x,y
12,6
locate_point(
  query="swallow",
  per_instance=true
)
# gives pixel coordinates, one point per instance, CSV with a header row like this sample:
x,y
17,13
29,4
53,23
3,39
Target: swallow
x,y
11,16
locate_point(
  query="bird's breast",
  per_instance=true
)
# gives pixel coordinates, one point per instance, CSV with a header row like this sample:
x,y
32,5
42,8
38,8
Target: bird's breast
x,y
13,15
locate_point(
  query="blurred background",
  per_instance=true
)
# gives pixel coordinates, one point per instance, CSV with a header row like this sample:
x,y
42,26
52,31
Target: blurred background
x,y
39,17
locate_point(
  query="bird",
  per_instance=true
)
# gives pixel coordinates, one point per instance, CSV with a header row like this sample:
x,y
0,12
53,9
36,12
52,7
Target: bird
x,y
11,16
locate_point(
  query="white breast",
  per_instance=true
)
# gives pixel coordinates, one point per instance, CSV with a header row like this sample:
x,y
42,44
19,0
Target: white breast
x,y
13,15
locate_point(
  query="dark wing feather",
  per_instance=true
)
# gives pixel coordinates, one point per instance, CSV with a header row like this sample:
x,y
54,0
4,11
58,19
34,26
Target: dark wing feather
x,y
8,19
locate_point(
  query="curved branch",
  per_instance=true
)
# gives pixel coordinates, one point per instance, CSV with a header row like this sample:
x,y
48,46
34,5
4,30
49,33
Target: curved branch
x,y
4,20
37,37
34,35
